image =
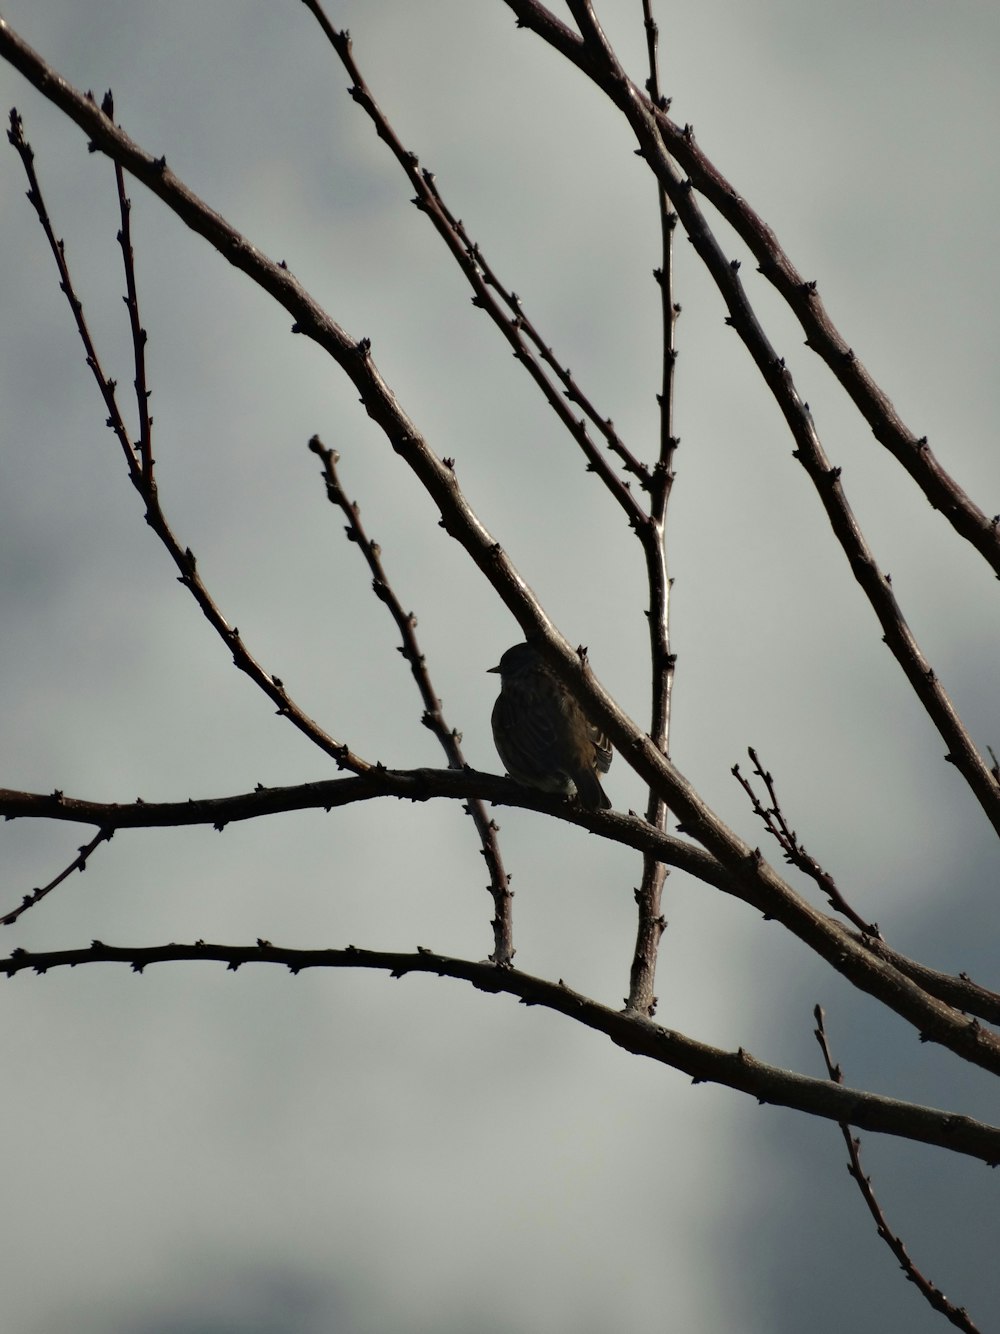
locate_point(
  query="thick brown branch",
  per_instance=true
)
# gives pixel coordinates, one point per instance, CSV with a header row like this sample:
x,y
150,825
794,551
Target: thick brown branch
x,y
628,1030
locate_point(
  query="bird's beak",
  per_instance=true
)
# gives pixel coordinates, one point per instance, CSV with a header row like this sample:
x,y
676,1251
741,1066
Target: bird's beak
x,y
494,669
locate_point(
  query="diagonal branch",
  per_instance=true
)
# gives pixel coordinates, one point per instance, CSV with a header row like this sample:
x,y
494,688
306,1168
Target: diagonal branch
x,y
957,1315
877,586
792,850
531,350
140,460
145,450
15,136
433,718
913,453
79,863
504,308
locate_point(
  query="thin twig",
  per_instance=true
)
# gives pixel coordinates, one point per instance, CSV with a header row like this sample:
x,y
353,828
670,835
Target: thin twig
x,y
933,1295
79,863
604,67
505,308
140,467
523,325
792,850
138,332
433,717
15,135
649,896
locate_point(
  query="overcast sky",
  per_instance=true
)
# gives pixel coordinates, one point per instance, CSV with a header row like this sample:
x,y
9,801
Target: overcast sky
x,y
198,1152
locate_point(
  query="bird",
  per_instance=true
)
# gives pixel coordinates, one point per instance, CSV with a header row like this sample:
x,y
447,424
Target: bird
x,y
543,735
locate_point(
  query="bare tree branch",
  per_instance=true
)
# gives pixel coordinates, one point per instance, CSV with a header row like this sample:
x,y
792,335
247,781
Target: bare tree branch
x,y
962,991
140,461
627,1029
728,862
649,895
646,123
874,971
437,477
142,392
506,312
433,718
79,863
913,453
938,1006
932,1294
792,850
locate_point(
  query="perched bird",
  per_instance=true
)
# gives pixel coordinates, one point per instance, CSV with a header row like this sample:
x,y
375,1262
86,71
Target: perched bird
x,y
543,735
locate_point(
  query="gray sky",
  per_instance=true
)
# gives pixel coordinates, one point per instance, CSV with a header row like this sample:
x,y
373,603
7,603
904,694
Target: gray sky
x,y
200,1151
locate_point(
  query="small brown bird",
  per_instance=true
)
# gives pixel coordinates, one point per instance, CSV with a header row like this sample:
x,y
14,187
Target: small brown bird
x,y
543,735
